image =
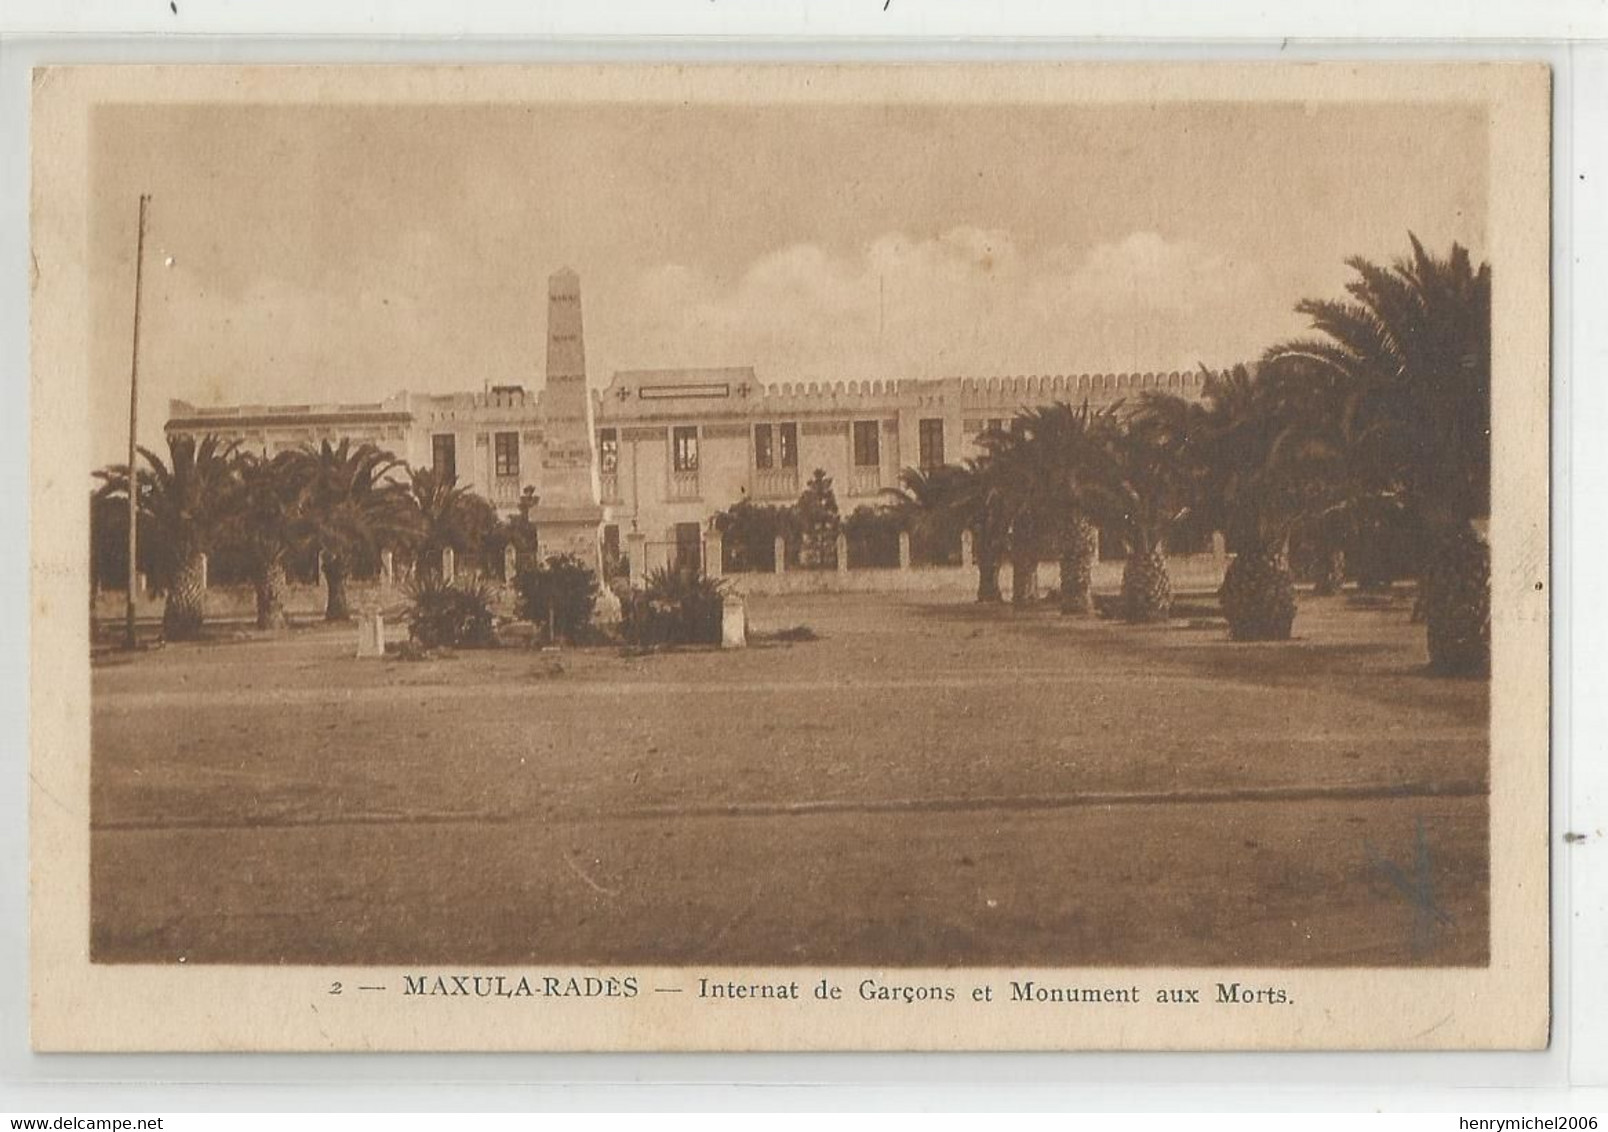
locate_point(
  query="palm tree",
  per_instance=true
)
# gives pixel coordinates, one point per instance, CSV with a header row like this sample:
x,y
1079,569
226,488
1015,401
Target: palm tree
x,y
1018,476
1413,349
1142,494
1346,497
262,523
185,503
944,501
1050,460
1247,479
347,509
444,515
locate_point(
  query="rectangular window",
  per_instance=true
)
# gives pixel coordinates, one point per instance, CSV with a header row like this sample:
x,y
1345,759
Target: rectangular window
x,y
608,450
996,424
507,452
444,455
787,434
867,445
931,441
764,450
685,439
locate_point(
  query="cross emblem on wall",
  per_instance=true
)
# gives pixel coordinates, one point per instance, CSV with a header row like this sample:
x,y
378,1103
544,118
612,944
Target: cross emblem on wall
x,y
623,393
743,390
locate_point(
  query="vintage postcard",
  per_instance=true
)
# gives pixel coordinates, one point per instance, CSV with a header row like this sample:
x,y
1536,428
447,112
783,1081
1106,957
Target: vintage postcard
x,y
790,557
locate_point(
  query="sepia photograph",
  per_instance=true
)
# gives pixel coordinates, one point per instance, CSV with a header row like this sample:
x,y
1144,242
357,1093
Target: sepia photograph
x,y
807,539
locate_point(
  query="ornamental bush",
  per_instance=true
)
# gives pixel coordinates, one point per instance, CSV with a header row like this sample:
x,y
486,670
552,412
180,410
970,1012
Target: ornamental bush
x,y
675,607
561,592
443,614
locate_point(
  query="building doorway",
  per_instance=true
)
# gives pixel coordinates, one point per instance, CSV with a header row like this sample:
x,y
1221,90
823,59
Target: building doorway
x,y
689,547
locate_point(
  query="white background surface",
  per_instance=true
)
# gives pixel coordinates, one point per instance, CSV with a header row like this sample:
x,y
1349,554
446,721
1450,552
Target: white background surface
x,y
1569,34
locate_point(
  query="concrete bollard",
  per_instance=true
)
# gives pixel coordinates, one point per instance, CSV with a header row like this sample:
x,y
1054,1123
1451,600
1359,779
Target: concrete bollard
x,y
904,550
371,635
733,623
842,553
781,555
966,549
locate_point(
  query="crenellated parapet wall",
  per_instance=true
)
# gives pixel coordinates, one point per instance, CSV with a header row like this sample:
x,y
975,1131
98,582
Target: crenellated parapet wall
x,y
1008,392
644,395
853,397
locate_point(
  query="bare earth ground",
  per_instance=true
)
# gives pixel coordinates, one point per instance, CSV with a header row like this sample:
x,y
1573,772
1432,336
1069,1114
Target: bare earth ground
x,y
929,783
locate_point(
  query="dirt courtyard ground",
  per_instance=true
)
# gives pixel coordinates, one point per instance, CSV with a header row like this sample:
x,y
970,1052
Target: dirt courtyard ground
x,y
928,783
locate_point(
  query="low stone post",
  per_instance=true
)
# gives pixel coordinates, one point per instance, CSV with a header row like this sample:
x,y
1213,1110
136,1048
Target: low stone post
x,y
842,553
371,635
781,555
142,583
966,548
714,554
733,623
449,565
204,565
636,544
904,550
510,563
1219,546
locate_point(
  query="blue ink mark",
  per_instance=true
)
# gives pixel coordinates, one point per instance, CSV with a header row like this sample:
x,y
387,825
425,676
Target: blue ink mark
x,y
1418,889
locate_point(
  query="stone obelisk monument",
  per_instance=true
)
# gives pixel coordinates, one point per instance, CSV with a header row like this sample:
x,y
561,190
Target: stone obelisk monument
x,y
568,516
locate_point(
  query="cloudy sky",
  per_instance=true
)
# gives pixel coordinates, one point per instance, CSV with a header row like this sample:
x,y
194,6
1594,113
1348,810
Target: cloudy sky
x,y
341,254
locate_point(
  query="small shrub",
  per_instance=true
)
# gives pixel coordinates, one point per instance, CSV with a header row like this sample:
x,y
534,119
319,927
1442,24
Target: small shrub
x,y
445,615
873,536
749,532
562,592
675,607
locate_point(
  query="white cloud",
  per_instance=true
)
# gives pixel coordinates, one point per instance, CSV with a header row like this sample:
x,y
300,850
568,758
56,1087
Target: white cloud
x,y
964,301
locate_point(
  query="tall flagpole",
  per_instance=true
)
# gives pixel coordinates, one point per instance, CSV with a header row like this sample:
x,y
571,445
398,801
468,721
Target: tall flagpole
x,y
129,638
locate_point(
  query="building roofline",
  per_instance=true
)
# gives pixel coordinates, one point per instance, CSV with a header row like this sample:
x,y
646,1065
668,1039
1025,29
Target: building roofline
x,y
272,419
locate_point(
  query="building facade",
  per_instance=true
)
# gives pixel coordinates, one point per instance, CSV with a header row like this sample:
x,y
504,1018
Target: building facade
x,y
652,457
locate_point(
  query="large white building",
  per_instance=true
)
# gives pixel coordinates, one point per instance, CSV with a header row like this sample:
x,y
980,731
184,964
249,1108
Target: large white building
x,y
658,452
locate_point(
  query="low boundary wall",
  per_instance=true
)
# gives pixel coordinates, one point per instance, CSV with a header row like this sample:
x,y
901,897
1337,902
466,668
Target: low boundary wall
x,y
1197,573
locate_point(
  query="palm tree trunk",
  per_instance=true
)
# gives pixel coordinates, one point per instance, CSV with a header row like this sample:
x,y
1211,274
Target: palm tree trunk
x,y
1077,567
1024,576
185,608
1456,597
987,555
1331,571
336,608
1146,588
1258,595
271,585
